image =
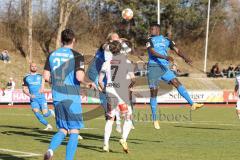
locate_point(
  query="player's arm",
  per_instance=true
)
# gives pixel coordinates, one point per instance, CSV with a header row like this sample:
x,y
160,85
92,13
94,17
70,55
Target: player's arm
x,y
236,86
46,75
101,76
25,89
80,71
150,48
173,47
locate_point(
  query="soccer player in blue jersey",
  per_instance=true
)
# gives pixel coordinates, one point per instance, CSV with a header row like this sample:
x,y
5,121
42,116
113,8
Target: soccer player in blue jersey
x,y
158,69
31,87
64,69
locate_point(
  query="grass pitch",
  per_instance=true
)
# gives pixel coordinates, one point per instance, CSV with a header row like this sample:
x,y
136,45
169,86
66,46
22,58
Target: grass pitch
x,y
208,134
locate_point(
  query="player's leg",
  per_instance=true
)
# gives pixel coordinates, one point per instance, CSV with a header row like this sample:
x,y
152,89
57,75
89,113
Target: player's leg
x,y
154,74
36,110
153,103
45,110
238,109
108,128
118,121
183,92
127,126
55,143
72,144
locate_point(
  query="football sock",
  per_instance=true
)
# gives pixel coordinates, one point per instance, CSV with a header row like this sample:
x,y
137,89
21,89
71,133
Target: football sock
x,y
127,126
153,103
108,131
71,146
183,92
56,140
41,118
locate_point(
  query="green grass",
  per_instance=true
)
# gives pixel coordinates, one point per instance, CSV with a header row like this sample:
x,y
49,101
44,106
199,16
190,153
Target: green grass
x,y
207,134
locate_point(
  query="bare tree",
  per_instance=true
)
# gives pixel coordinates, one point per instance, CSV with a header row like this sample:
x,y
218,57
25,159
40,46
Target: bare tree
x,y
65,9
15,24
29,4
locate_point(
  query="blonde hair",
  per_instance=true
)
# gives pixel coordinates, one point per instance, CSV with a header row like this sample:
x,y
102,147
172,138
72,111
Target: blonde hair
x,y
109,37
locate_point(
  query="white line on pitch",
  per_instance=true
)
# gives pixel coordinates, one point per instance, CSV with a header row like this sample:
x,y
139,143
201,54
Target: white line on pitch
x,y
25,154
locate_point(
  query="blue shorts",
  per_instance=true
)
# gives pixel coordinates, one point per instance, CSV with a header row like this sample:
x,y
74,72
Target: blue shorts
x,y
39,103
68,114
157,73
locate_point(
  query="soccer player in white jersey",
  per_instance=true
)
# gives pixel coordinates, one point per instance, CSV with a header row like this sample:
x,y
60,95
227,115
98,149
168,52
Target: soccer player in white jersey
x,y
117,90
237,89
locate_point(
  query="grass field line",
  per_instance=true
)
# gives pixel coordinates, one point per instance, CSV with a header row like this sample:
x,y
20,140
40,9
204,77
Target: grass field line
x,y
22,154
167,122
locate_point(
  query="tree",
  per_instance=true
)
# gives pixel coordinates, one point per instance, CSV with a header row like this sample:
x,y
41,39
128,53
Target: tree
x,y
65,9
29,28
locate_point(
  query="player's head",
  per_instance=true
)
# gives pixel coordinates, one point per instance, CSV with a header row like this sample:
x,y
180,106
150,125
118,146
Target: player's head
x,y
10,79
154,29
67,37
115,47
113,36
33,67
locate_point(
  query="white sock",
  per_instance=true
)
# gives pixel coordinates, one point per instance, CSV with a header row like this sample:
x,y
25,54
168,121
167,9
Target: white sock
x,y
108,131
238,116
127,126
118,118
50,151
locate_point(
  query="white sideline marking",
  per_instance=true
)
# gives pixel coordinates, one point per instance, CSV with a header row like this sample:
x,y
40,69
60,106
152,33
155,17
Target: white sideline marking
x,y
23,154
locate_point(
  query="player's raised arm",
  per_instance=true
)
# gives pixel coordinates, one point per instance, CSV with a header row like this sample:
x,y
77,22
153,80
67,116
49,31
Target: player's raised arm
x,y
173,47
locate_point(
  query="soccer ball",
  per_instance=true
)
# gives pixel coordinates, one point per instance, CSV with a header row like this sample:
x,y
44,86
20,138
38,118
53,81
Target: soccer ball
x,y
127,14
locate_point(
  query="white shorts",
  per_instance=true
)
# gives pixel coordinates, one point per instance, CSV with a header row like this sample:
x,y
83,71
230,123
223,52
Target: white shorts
x,y
238,105
114,100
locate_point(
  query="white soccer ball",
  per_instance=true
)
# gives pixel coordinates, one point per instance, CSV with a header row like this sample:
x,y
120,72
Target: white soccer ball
x,y
127,14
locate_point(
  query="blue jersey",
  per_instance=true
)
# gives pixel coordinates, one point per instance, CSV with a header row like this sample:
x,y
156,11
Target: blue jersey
x,y
34,83
95,66
160,44
63,65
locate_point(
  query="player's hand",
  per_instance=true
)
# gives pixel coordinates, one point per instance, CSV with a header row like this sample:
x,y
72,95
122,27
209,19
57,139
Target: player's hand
x,y
170,59
32,96
92,85
188,61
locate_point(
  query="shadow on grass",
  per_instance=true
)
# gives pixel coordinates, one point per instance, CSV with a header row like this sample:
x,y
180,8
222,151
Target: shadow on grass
x,y
205,128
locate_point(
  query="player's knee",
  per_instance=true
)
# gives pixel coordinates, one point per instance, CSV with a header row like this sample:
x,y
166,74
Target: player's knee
x,y
63,131
74,131
175,82
44,111
35,110
153,92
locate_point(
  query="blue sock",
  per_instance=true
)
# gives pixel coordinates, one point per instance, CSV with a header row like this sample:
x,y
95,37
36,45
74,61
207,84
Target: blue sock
x,y
56,140
153,103
183,92
47,114
41,118
71,146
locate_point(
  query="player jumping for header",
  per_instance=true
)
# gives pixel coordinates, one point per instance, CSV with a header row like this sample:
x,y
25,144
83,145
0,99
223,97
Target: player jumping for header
x,y
158,69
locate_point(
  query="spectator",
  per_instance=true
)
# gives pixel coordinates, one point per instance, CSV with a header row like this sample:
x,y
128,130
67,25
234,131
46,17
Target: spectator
x,y
177,72
230,71
5,56
237,70
10,88
215,71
